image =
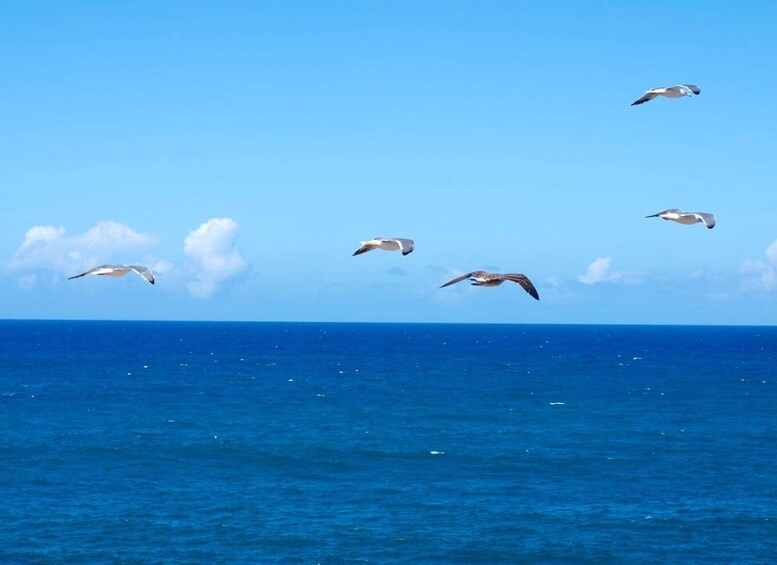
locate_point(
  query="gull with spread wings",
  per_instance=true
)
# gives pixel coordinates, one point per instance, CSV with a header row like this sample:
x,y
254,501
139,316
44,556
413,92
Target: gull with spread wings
x,y
406,246
482,278
118,271
676,91
687,218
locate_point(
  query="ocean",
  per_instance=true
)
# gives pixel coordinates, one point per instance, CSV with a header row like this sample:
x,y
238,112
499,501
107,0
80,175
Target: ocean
x,y
166,442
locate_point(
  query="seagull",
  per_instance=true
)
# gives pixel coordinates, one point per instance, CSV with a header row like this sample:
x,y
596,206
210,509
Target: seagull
x,y
118,271
687,218
676,91
482,278
406,246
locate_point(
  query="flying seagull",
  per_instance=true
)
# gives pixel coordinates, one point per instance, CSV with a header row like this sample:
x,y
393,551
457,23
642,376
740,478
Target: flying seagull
x,y
676,91
387,244
118,271
687,218
482,278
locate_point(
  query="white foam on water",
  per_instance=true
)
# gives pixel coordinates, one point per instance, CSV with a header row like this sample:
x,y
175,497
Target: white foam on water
x,y
437,453
557,403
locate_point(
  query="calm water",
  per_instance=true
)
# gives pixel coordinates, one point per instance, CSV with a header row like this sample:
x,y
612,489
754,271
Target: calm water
x,y
350,443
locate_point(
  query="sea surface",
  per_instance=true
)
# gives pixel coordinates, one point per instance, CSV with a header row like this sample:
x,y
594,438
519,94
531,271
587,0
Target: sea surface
x,y
160,442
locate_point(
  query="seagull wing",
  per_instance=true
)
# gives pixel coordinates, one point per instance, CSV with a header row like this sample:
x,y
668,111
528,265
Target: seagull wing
x,y
649,95
458,279
524,281
708,219
692,87
101,270
144,272
366,246
406,246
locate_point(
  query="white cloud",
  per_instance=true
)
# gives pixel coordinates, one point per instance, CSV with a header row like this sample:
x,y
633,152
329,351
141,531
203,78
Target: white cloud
x,y
771,252
51,248
762,274
212,247
599,271
160,266
41,235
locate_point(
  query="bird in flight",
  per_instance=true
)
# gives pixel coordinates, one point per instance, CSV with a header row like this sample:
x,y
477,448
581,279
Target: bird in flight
x,y
406,246
676,91
482,278
687,218
118,271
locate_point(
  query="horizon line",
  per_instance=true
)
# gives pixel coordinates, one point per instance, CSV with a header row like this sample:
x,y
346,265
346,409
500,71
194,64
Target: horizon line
x,y
634,324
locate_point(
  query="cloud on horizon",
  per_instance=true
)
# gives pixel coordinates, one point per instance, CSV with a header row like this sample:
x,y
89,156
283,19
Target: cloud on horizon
x,y
52,248
212,248
600,270
762,275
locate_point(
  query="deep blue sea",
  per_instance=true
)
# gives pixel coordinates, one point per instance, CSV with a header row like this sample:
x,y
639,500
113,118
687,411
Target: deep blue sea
x,y
153,442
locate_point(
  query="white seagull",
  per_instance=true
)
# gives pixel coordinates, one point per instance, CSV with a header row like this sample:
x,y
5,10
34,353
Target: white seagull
x,y
482,278
387,244
687,218
676,91
118,271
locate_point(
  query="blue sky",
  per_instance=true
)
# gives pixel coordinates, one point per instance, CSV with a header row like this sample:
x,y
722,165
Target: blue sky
x,y
243,149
